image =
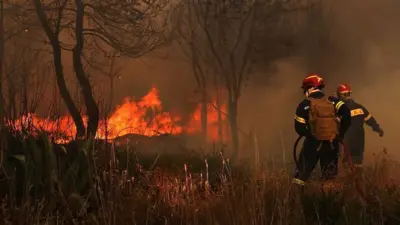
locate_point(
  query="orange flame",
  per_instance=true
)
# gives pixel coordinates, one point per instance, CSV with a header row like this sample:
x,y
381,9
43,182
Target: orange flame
x,y
213,123
144,117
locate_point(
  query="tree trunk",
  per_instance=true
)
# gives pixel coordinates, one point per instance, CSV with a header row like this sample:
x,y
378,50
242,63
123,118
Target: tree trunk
x,y
24,94
12,108
2,107
220,127
62,86
219,96
204,116
233,112
90,103
108,107
53,37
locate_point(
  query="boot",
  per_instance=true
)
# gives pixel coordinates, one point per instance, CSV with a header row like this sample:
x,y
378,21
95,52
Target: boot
x,y
296,192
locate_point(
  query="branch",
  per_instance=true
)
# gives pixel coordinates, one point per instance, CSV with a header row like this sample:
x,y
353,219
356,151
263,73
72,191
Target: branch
x,y
61,8
43,20
210,40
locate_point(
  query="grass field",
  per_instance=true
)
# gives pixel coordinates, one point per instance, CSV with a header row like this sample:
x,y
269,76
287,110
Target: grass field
x,y
95,183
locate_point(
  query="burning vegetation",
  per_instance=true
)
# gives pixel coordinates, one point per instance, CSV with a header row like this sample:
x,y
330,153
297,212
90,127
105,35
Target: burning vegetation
x,y
144,117
52,171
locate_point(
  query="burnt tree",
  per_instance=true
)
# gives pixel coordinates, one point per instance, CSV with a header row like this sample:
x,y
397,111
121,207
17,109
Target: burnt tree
x,y
91,106
132,28
53,27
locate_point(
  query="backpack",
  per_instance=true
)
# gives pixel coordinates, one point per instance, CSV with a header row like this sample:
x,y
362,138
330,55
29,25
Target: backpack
x,y
322,119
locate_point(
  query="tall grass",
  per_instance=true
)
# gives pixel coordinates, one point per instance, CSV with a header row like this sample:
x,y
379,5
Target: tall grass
x,y
95,183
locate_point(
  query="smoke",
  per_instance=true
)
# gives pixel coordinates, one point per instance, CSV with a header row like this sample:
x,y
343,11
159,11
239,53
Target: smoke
x,y
269,110
360,47
353,42
372,25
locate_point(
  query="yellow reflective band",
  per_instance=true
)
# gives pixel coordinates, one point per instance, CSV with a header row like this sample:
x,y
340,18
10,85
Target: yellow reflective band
x,y
338,105
357,112
358,165
299,119
368,117
298,181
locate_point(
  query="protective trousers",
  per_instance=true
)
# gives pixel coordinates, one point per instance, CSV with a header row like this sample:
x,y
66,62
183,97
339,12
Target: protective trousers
x,y
355,141
326,152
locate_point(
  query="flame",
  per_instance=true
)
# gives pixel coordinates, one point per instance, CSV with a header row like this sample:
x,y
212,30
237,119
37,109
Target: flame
x,y
144,117
213,122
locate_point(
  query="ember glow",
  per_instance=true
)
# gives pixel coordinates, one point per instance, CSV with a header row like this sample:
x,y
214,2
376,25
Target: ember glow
x,y
144,117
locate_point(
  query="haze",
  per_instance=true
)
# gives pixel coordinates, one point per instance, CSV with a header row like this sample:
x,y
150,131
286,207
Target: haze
x,y
361,48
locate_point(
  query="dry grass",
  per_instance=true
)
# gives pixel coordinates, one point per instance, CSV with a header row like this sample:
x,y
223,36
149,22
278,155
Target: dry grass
x,y
133,190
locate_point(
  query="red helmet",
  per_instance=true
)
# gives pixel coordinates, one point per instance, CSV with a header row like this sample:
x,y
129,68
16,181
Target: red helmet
x,y
343,89
313,81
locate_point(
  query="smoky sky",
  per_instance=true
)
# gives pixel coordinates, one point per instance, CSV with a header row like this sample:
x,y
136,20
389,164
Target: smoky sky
x,y
353,42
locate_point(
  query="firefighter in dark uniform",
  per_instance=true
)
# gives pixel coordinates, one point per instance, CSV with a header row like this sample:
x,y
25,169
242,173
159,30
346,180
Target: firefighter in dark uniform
x,y
326,152
355,137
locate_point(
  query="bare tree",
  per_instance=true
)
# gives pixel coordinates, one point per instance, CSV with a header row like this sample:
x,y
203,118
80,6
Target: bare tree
x,y
91,106
10,70
111,22
221,33
2,42
53,23
221,38
15,58
191,40
111,69
131,27
9,29
26,78
36,80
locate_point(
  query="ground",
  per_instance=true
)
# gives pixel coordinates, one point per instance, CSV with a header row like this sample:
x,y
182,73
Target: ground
x,y
86,183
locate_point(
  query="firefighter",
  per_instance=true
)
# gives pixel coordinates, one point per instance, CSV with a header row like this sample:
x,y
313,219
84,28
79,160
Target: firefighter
x,y
316,120
355,137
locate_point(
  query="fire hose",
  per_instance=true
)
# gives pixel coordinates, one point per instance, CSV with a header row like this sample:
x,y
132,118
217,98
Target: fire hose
x,y
349,159
345,149
295,151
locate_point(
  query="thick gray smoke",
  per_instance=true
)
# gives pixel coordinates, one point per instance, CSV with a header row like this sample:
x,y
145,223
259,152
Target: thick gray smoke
x,y
361,49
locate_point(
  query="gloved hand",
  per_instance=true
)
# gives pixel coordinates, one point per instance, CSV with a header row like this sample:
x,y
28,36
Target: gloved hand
x,y
380,131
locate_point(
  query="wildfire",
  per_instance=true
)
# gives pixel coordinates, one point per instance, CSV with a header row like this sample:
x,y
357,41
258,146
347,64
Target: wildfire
x,y
144,117
215,128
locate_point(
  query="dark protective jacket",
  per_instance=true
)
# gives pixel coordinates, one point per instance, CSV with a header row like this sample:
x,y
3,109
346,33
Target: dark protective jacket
x,y
302,115
355,136
313,151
